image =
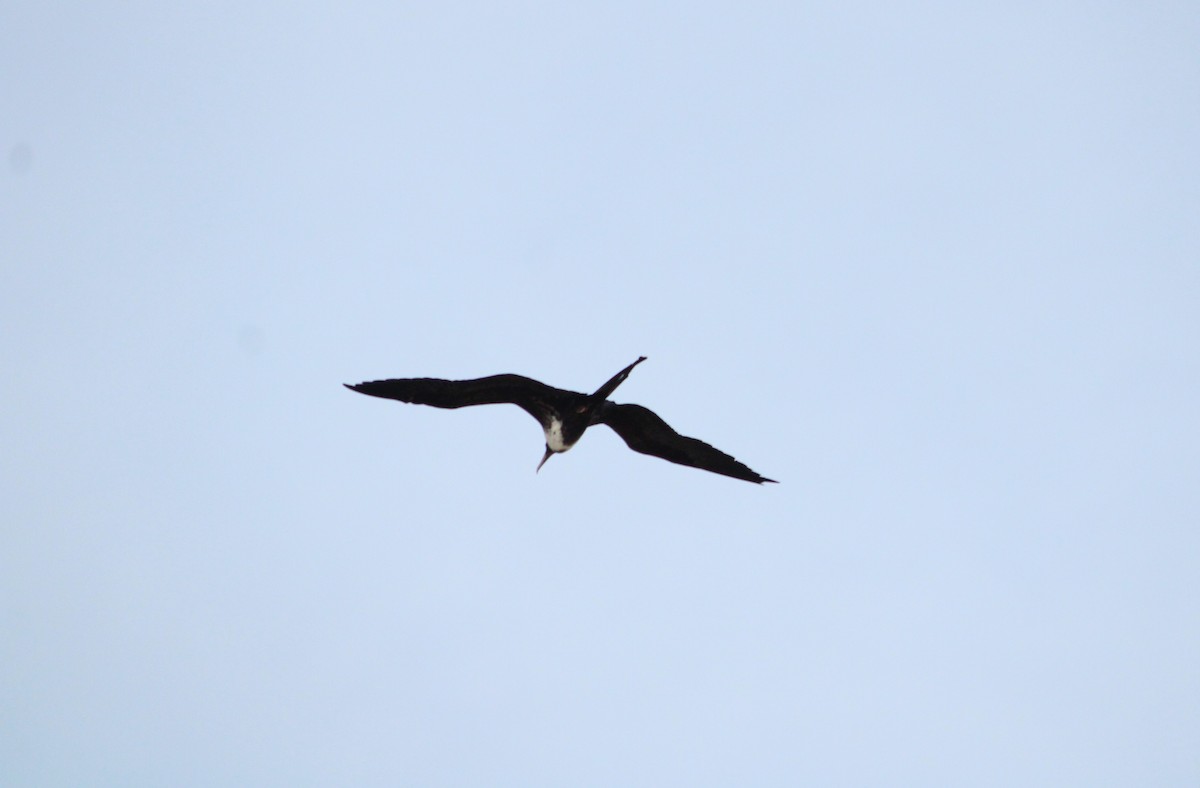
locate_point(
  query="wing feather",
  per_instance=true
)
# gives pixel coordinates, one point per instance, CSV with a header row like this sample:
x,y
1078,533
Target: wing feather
x,y
534,397
644,431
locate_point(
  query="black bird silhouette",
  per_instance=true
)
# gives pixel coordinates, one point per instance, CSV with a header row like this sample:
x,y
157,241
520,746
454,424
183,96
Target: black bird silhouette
x,y
565,415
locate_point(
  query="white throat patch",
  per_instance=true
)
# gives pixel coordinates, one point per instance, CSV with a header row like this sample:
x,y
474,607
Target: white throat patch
x,y
554,436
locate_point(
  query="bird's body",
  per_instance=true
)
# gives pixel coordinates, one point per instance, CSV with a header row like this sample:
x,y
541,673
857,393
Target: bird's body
x,y
566,415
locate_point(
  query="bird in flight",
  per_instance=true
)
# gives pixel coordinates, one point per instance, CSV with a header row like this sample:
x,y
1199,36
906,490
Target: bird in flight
x,y
565,415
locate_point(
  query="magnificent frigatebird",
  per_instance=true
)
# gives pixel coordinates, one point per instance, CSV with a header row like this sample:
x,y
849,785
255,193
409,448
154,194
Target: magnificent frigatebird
x,y
565,415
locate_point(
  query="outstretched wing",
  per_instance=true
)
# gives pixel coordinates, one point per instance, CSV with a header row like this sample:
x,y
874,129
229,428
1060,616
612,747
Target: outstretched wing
x,y
643,431
534,397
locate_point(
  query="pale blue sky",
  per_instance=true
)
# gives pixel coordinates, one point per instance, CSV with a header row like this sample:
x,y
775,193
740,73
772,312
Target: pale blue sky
x,y
935,268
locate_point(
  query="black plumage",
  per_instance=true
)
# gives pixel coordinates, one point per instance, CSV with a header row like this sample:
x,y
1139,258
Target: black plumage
x,y
566,415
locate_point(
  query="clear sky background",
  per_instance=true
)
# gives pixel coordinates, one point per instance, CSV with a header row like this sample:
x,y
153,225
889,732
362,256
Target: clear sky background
x,y
935,268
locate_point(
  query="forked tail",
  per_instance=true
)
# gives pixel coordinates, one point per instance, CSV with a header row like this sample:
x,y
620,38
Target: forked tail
x,y
608,388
